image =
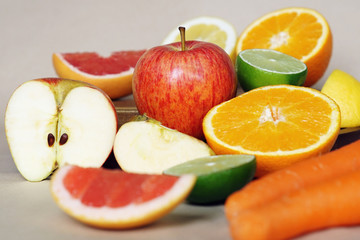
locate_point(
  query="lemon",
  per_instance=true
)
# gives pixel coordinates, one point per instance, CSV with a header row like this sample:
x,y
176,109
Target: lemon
x,y
344,89
209,29
217,176
262,67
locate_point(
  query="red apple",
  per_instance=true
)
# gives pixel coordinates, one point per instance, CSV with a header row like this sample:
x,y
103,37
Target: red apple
x,y
178,83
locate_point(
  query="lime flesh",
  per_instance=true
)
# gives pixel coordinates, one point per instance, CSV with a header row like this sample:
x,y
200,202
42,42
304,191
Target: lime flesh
x,y
217,176
262,67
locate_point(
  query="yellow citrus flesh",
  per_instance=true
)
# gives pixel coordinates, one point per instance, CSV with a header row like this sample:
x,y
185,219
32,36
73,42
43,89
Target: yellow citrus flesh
x,y
279,124
344,89
208,29
299,32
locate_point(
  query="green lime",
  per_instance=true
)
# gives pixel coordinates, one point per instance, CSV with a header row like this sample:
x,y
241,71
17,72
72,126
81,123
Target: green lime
x,y
217,176
262,67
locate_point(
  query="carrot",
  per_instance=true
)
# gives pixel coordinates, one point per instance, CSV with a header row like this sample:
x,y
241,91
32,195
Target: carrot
x,y
294,177
276,202
330,203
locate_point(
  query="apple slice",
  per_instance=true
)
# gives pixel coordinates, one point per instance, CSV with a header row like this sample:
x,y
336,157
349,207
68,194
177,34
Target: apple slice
x,y
53,122
146,146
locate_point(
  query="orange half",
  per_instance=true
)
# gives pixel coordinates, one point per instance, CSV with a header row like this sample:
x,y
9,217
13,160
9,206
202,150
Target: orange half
x,y
278,124
299,32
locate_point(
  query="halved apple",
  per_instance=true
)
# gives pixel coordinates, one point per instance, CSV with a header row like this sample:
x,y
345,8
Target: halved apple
x,y
51,122
145,146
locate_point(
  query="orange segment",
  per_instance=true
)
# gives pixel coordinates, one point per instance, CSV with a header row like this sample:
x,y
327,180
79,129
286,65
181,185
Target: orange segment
x,y
278,124
300,32
112,74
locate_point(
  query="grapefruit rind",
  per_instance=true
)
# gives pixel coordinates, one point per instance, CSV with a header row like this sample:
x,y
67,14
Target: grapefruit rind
x,y
114,85
130,216
60,58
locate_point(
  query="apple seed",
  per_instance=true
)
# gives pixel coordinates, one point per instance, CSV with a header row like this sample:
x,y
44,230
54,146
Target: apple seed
x,y
50,139
63,139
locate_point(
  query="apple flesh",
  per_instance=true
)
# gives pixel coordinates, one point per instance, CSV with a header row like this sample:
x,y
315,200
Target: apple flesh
x,y
52,122
146,146
178,87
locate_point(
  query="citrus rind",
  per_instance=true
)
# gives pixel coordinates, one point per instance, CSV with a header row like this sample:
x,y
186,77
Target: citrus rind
x,y
344,89
130,216
217,176
222,24
262,67
274,160
298,10
114,85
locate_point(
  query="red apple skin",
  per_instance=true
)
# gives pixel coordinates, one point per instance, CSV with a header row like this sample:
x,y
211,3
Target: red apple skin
x,y
179,87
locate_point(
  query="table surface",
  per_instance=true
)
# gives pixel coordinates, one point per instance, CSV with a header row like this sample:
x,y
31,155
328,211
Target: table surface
x,y
32,30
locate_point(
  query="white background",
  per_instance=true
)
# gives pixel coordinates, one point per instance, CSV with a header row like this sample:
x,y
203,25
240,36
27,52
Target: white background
x,y
31,30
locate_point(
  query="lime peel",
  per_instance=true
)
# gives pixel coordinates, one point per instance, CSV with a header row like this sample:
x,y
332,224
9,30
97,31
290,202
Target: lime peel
x,y
217,176
262,67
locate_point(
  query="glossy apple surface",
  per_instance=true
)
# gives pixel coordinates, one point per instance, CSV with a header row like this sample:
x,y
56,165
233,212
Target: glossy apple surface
x,y
52,122
178,87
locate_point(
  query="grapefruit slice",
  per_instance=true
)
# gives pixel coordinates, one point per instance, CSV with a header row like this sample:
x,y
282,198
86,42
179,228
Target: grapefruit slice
x,y
115,199
112,74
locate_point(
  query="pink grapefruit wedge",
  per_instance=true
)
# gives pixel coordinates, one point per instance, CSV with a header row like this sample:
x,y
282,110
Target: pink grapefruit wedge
x,y
115,199
113,74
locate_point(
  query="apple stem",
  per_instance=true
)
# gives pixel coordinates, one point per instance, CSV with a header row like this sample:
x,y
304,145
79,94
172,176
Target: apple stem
x,y
182,36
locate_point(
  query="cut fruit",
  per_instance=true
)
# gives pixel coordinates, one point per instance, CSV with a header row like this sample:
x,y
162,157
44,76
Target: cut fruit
x,y
51,122
149,147
299,32
115,199
208,29
262,67
112,74
216,176
344,89
279,124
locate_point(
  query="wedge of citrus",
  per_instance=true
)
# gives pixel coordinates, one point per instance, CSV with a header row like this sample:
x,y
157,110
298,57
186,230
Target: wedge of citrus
x,y
209,29
115,199
345,90
112,74
279,124
262,67
299,32
216,176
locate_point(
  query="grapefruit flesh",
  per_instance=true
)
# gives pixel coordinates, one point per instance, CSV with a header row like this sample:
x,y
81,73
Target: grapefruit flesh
x,y
115,188
94,64
112,74
117,199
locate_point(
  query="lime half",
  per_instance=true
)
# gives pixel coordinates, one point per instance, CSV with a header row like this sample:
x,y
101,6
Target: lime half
x,y
217,176
262,67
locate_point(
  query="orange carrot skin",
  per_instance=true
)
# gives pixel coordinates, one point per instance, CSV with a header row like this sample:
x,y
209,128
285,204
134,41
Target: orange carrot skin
x,y
294,177
327,204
